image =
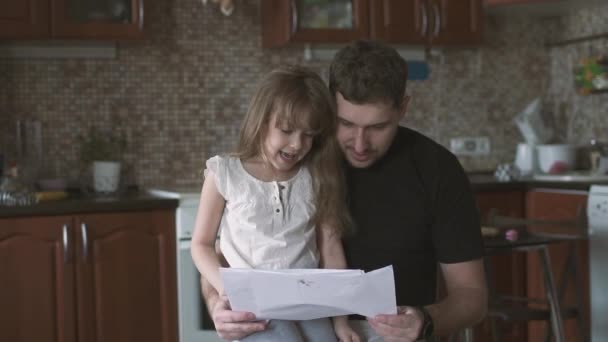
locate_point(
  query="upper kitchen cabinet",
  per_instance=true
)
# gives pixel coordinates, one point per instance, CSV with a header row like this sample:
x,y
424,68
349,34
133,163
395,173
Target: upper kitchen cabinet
x,y
24,19
407,22
539,8
436,22
97,19
313,21
503,2
456,22
400,22
72,19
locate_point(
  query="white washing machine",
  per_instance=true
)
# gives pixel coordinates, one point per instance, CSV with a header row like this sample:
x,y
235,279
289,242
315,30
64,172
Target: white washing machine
x,y
194,322
597,213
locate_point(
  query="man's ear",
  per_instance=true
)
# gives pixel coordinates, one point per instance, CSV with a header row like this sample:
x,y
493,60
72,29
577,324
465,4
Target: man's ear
x,y
403,107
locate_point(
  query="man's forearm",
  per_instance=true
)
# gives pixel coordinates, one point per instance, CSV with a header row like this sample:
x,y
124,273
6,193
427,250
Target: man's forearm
x,y
460,309
466,302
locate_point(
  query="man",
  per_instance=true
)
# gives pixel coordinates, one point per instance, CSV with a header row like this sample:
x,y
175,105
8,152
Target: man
x,y
411,203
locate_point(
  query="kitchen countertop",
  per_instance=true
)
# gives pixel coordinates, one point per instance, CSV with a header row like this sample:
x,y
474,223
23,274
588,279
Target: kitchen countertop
x,y
134,200
485,181
76,204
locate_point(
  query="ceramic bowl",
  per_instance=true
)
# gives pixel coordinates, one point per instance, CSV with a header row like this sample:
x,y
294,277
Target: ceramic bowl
x,y
556,158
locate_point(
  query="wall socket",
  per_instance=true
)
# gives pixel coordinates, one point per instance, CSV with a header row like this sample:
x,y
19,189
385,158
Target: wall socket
x,y
470,146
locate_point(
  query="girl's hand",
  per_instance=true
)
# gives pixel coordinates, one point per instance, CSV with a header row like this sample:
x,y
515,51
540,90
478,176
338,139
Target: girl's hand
x,y
234,325
344,331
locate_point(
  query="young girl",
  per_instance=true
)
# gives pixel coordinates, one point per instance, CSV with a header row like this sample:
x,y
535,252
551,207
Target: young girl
x,y
279,201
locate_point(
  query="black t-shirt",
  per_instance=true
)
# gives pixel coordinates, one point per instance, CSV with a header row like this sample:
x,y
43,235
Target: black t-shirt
x,y
412,209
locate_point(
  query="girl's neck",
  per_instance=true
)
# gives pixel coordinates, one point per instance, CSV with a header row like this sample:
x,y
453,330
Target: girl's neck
x,y
264,171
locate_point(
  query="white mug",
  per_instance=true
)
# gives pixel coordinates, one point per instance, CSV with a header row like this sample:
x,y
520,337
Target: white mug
x,y
525,158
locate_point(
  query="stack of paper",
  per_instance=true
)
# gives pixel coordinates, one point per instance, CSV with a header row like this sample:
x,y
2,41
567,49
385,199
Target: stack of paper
x,y
301,294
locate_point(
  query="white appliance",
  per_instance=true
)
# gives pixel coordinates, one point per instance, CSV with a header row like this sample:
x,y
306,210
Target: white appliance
x,y
194,323
597,213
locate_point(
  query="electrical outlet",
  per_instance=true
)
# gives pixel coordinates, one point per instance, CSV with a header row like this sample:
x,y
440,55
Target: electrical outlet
x,y
470,146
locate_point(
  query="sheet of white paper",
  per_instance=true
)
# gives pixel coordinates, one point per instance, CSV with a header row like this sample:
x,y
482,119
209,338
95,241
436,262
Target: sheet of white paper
x,y
300,294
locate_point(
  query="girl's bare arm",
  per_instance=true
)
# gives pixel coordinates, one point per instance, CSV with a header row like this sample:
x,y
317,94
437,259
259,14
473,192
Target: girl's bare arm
x,y
330,248
332,256
208,217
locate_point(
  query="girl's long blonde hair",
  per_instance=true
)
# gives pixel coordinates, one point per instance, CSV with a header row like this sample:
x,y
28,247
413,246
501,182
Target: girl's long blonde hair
x,y
300,98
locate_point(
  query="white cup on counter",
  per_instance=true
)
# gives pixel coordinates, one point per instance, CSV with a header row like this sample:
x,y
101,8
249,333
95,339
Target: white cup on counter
x,y
525,159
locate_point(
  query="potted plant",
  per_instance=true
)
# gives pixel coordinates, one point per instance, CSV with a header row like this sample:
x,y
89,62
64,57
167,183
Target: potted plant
x,y
103,149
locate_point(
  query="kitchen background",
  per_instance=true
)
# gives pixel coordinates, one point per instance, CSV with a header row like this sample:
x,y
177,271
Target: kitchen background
x,y
181,93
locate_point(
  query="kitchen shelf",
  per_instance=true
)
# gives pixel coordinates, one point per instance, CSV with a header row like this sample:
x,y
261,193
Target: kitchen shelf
x,y
578,40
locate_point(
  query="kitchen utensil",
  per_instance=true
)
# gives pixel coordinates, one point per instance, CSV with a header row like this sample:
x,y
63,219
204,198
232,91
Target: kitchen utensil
x,y
525,159
13,191
531,125
29,149
598,157
556,158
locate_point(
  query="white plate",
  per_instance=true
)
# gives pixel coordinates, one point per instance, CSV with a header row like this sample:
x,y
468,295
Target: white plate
x,y
571,177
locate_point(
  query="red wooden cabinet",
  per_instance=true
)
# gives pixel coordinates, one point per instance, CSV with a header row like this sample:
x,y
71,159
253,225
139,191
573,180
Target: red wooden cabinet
x,y
509,276
301,21
558,205
400,22
404,22
72,19
89,278
520,273
512,2
36,280
456,22
123,21
24,19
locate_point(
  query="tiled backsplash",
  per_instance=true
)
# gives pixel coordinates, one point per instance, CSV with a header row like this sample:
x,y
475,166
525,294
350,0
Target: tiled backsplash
x,y
182,93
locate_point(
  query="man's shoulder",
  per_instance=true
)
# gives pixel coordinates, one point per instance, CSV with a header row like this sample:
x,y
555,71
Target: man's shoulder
x,y
422,146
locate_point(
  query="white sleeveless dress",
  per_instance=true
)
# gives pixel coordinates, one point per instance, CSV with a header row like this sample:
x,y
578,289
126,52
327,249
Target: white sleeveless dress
x,y
266,225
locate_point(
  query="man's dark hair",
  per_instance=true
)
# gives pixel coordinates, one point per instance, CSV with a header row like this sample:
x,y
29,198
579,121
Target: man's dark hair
x,y
368,72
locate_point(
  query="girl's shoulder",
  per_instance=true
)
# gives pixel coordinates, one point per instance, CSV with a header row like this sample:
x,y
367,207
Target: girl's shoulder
x,y
222,164
226,170
223,160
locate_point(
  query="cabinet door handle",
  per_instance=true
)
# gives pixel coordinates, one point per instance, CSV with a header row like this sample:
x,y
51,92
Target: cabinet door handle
x,y
425,18
437,19
141,14
294,16
66,244
387,10
85,246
